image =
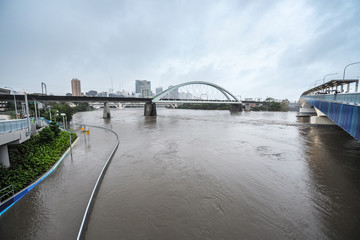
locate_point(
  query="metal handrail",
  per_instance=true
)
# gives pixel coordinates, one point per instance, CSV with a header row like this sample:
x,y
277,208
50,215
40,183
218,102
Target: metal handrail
x,y
97,184
12,191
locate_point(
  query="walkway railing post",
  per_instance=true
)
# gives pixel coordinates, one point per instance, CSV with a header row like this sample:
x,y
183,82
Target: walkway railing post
x,y
27,113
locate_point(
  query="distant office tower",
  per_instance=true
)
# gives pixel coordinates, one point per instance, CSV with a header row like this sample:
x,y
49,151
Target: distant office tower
x,y
174,94
91,93
159,90
143,87
75,87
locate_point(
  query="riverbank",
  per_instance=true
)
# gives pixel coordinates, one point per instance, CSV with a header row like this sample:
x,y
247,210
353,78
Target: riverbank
x,y
33,158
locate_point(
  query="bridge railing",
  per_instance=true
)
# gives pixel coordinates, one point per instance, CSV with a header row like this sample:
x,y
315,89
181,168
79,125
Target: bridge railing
x,y
6,192
12,125
346,98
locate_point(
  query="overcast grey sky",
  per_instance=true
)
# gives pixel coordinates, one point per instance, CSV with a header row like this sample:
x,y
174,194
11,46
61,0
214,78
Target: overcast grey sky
x,y
252,48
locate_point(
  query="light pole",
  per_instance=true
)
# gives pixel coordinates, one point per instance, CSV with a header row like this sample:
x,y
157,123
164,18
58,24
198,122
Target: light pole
x,y
328,75
27,113
63,116
347,66
316,82
14,102
50,112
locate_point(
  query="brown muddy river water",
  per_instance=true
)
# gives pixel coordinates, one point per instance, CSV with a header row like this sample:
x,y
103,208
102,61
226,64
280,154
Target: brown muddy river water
x,y
189,174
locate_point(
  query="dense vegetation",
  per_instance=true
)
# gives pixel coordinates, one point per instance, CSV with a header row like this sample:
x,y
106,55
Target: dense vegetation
x,y
269,105
34,157
56,109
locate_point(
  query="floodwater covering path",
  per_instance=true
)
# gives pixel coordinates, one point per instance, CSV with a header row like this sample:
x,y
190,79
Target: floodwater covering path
x,y
54,208
189,174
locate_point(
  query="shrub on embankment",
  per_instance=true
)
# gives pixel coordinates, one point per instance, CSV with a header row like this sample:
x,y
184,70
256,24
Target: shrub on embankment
x,y
32,158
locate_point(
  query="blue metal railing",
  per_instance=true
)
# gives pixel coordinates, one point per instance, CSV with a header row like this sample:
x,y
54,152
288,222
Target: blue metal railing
x,y
12,125
346,98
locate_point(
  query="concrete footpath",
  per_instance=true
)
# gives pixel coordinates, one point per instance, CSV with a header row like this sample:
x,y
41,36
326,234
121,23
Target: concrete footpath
x,y
55,207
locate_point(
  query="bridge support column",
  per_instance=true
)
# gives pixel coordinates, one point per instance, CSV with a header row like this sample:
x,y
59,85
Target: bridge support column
x,y
306,110
150,109
234,108
106,112
4,156
320,119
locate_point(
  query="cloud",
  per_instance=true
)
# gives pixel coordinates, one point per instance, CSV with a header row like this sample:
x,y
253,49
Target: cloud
x,y
253,48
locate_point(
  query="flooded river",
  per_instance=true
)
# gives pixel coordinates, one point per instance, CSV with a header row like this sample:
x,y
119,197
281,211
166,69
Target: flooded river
x,y
189,174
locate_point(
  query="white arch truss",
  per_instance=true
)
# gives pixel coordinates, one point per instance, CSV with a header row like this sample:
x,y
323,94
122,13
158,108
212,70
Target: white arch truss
x,y
196,92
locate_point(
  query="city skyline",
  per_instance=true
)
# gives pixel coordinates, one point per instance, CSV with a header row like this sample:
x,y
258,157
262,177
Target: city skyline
x,y
253,49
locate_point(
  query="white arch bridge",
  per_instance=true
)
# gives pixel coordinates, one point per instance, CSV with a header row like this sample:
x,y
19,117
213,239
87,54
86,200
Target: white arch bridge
x,y
194,92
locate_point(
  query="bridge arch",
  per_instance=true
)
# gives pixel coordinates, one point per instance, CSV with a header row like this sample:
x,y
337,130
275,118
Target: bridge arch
x,y
227,97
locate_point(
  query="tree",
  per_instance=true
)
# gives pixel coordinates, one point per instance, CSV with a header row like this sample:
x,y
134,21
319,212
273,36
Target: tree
x,y
284,105
54,128
271,105
46,135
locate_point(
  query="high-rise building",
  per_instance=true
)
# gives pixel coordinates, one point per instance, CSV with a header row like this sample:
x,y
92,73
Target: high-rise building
x,y
91,93
174,94
143,87
159,90
75,87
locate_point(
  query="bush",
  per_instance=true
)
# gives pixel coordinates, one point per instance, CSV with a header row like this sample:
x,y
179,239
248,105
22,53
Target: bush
x,y
54,127
32,158
46,135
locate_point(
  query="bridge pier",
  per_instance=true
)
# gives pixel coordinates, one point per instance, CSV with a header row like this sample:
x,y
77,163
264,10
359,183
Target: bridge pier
x,y
234,108
306,110
4,156
320,119
150,109
106,112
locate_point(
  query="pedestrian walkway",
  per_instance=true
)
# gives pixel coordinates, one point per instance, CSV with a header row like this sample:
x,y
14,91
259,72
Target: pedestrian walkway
x,y
54,209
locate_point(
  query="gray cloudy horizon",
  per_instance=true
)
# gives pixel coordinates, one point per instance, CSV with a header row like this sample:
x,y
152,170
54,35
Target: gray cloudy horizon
x,y
252,48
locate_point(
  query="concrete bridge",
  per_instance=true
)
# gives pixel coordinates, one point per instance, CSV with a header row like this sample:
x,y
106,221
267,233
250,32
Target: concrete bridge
x,y
12,132
189,92
330,103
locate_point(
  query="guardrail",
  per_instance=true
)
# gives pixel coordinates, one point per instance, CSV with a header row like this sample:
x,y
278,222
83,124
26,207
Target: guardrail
x,y
89,206
346,98
12,125
9,191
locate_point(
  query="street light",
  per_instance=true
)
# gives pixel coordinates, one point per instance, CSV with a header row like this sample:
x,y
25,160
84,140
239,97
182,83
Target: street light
x,y
63,116
50,112
316,82
347,66
328,75
14,102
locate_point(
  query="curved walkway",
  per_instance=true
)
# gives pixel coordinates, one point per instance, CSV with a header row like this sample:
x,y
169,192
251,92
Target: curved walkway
x,y
54,208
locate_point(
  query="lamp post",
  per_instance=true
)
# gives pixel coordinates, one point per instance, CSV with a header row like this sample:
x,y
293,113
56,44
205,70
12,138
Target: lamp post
x,y
316,82
27,113
328,75
63,116
14,101
49,112
346,68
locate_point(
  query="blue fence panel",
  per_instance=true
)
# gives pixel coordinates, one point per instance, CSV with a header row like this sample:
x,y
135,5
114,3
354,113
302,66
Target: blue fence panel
x,y
344,115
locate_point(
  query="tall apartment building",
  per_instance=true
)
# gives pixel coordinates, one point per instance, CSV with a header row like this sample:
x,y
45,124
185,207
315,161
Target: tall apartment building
x,y
143,87
75,87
